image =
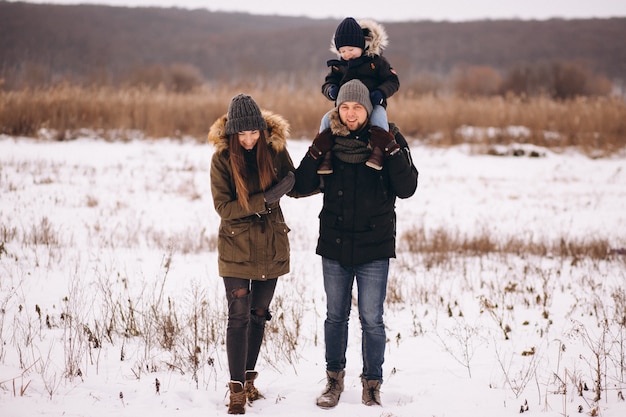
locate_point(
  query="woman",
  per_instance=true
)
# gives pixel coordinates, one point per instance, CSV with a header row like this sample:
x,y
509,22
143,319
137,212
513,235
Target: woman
x,y
250,171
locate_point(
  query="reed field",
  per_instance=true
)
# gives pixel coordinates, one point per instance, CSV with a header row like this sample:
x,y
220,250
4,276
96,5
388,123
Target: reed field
x,y
596,125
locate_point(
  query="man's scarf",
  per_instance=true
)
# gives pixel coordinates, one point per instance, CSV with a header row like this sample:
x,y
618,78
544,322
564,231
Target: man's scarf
x,y
352,151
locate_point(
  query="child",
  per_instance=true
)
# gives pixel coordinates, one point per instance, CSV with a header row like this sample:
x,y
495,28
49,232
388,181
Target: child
x,y
359,47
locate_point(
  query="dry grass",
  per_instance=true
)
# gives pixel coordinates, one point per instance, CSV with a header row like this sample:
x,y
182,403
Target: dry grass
x,y
441,246
595,125
590,123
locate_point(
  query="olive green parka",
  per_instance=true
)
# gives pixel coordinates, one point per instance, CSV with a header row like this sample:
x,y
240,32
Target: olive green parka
x,y
251,244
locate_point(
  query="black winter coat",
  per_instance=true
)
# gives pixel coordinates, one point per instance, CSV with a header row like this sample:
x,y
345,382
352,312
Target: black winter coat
x,y
371,68
374,71
358,218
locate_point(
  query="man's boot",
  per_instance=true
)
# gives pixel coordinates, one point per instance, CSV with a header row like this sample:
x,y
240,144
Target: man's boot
x,y
237,403
333,390
252,393
371,392
326,167
376,159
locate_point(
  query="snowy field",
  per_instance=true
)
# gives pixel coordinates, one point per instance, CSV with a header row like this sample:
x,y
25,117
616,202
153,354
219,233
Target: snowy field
x,y
108,284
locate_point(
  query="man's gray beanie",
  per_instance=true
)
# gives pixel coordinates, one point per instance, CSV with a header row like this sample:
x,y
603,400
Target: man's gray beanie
x,y
244,114
355,90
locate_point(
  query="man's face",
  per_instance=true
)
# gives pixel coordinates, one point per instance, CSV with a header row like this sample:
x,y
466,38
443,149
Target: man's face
x,y
353,115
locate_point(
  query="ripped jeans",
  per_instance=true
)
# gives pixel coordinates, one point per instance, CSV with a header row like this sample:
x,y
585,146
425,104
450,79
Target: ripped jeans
x,y
248,310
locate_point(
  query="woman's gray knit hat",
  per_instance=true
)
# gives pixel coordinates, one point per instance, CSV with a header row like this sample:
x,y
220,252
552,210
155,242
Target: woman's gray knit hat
x,y
244,114
355,90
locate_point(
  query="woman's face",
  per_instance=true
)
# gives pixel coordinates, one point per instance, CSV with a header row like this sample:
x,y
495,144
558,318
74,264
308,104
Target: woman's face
x,y
248,138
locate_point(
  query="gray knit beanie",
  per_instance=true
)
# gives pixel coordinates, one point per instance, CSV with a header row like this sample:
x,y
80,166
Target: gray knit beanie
x,y
244,114
355,90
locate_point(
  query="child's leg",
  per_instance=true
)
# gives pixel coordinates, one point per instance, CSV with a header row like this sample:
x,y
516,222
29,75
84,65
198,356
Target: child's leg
x,y
325,124
379,117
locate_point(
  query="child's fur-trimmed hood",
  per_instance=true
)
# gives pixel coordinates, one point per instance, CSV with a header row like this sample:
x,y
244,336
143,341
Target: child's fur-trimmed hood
x,y
277,132
376,39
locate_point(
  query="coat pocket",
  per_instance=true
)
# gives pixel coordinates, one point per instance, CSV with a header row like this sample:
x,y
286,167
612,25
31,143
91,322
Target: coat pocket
x,y
233,244
281,241
381,229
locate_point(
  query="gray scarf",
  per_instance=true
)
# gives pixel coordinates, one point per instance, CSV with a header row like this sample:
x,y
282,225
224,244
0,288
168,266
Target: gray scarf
x,y
352,151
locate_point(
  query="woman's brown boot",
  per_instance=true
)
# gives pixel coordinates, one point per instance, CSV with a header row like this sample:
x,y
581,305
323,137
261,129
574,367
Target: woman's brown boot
x,y
252,393
237,398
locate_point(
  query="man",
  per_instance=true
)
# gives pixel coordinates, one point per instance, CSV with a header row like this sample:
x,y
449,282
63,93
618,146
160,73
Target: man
x,y
357,231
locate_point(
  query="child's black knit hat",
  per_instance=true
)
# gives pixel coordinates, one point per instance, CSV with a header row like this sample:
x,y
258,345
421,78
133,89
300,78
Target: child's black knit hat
x,y
349,33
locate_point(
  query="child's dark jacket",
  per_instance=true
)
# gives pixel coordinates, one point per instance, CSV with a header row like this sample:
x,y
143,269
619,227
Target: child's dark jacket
x,y
371,68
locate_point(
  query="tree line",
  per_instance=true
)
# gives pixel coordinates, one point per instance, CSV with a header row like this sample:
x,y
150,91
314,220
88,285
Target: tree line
x,y
43,45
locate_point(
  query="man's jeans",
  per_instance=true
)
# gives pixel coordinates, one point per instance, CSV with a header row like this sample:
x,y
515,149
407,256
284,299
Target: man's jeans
x,y
371,279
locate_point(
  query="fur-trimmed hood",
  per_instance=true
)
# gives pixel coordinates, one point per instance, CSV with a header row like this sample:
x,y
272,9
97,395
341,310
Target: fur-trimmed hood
x,y
376,39
277,132
336,127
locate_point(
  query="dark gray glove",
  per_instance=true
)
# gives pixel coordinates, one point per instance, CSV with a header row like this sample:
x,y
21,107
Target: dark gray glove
x,y
377,97
275,192
333,90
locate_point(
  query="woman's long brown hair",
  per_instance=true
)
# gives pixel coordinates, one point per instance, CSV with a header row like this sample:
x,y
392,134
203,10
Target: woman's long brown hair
x,y
240,172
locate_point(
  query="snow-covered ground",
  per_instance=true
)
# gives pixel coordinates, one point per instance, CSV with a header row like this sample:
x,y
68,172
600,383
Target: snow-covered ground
x,y
108,284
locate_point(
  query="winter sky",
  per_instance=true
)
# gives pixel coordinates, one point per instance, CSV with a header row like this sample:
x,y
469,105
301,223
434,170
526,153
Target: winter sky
x,y
394,10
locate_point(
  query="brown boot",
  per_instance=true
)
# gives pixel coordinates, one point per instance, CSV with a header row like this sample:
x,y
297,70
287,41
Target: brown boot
x,y
376,159
237,398
333,390
252,393
326,167
371,392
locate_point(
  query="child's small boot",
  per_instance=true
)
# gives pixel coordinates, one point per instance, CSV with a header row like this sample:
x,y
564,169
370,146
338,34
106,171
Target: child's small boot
x,y
326,167
376,159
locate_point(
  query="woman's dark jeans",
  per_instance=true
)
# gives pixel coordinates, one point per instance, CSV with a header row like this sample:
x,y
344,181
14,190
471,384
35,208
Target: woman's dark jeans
x,y
248,310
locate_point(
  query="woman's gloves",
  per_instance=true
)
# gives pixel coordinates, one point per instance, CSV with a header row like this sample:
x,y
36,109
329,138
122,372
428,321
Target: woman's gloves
x,y
275,192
